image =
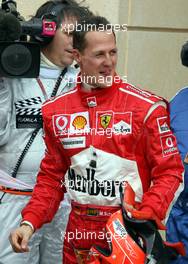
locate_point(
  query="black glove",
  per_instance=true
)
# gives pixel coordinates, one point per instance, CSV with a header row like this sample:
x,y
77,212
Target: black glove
x,y
10,28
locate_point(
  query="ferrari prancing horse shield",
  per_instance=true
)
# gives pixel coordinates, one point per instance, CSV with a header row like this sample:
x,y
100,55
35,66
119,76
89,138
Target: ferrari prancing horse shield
x,y
105,120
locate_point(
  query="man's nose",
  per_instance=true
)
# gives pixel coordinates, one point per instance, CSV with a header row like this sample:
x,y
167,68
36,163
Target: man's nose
x,y
108,60
71,38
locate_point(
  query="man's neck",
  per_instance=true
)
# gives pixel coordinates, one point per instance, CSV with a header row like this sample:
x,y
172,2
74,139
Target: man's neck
x,y
46,61
87,87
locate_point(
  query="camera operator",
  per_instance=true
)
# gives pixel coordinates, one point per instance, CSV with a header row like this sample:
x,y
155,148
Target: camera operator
x,y
21,143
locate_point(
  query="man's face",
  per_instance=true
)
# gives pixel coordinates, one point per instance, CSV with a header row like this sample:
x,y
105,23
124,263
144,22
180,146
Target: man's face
x,y
98,60
59,51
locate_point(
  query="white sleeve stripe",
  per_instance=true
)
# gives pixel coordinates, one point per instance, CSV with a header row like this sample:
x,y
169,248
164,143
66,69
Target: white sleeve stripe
x,y
177,193
153,107
27,223
137,95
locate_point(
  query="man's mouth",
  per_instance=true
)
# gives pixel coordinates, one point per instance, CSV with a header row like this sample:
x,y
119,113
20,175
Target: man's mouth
x,y
69,51
106,73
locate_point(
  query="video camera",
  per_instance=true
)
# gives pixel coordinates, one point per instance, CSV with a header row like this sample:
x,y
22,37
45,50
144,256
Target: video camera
x,y
19,57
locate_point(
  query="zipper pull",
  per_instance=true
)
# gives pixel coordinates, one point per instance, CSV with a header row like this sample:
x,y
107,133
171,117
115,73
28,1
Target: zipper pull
x,y
93,162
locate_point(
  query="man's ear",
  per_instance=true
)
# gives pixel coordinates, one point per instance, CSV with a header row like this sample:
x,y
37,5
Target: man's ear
x,y
77,55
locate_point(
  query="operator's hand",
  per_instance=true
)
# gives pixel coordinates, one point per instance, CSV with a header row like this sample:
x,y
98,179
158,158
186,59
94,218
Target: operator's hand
x,y
19,238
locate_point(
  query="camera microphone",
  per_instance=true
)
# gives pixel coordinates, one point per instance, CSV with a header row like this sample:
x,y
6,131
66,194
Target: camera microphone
x,y
10,28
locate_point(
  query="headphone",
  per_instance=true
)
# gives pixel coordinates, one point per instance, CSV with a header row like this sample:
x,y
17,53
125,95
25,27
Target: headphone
x,y
53,9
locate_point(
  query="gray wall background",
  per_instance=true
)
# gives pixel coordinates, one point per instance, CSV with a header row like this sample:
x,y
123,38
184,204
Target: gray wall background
x,y
149,52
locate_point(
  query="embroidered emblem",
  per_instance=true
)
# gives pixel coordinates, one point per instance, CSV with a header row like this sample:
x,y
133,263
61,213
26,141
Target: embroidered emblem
x,y
28,116
168,144
162,124
79,122
105,120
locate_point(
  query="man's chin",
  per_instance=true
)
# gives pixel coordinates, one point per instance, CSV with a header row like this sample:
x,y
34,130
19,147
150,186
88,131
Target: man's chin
x,y
105,81
104,85
68,62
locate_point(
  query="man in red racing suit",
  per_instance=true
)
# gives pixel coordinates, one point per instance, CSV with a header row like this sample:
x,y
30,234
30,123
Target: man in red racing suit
x,y
97,139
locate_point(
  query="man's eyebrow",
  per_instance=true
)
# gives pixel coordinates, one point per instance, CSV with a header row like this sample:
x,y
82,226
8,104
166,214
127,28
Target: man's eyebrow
x,y
101,50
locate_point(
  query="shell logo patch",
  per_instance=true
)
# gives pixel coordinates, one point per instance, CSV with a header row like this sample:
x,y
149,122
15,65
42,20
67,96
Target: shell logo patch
x,y
79,122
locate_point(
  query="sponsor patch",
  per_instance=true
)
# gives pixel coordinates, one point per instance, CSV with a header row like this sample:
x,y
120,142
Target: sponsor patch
x,y
121,237
119,228
123,123
73,142
79,122
61,124
28,113
168,144
91,101
163,125
118,123
122,128
104,120
70,124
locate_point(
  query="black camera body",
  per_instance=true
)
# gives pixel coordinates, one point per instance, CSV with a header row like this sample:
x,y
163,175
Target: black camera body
x,y
19,57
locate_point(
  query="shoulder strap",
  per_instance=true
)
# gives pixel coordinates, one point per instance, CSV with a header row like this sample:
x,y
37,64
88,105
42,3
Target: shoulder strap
x,y
35,132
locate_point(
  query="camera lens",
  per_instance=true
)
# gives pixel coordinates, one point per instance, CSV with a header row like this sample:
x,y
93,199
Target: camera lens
x,y
16,59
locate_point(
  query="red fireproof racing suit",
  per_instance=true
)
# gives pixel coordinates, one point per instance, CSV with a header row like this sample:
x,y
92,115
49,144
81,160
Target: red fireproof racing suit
x,y
96,140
